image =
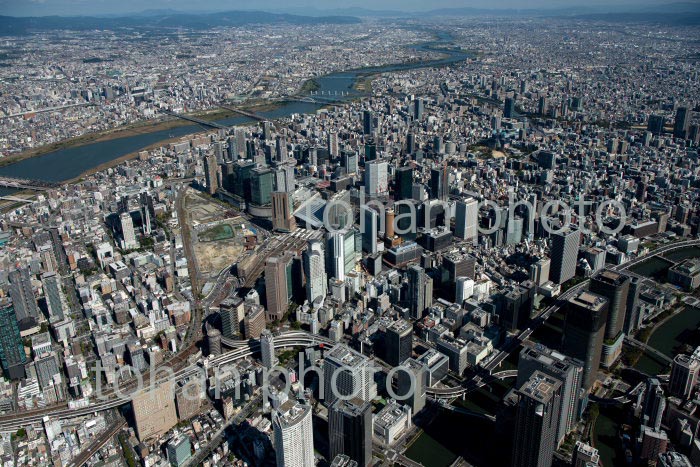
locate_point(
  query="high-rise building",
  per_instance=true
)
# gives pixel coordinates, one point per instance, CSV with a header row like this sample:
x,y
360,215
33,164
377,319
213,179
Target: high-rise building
x,y
418,107
333,148
277,286
294,435
376,182
261,186
564,255
154,410
370,229
684,376
681,123
403,179
615,287
179,450
350,430
536,357
413,385
282,212
347,372
367,122
654,404
22,294
129,241
656,124
315,271
539,271
214,341
12,354
439,187
267,349
509,107
420,291
336,255
211,176
399,342
232,313
584,330
53,292
536,421
466,219
585,455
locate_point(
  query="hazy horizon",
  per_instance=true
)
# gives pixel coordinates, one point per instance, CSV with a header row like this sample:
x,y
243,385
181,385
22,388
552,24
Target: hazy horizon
x,y
106,7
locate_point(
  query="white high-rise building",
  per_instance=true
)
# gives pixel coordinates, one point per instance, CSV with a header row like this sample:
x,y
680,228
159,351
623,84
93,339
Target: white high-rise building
x,y
353,375
464,289
376,178
267,349
128,236
336,255
294,436
315,270
466,219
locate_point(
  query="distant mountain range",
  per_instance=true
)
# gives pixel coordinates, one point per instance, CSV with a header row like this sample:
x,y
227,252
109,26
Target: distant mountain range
x,y
10,25
678,13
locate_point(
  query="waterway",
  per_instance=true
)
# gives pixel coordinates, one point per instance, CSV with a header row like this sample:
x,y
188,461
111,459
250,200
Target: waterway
x,y
68,163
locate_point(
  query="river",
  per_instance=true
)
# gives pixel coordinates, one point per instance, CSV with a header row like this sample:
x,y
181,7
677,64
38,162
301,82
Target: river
x,y
68,163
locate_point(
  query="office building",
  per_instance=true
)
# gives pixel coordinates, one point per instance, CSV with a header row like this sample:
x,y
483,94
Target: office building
x,y
232,313
681,123
154,411
267,349
53,293
509,107
22,294
439,186
403,180
585,455
684,376
656,124
399,342
335,257
348,373
368,122
654,404
211,176
466,219
584,329
350,430
129,241
539,271
536,422
179,450
12,354
376,181
370,229
315,271
536,357
615,287
282,212
412,387
278,286
254,322
293,435
420,291
418,107
564,254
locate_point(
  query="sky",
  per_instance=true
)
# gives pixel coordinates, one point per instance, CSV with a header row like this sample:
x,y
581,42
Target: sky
x,y
99,7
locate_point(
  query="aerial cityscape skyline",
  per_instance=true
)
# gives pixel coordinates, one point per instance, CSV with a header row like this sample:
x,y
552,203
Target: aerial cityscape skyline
x,y
376,234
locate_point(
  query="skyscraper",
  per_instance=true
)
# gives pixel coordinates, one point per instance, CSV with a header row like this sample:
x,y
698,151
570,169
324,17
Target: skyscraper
x,y
413,385
333,149
336,255
564,255
22,294
347,372
282,217
367,122
509,107
315,271
418,107
12,354
277,286
438,183
681,123
466,219
350,430
399,342
654,404
376,183
267,349
154,410
584,330
129,241
403,179
684,376
615,287
53,292
370,229
232,312
536,421
294,435
420,291
536,357
210,173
